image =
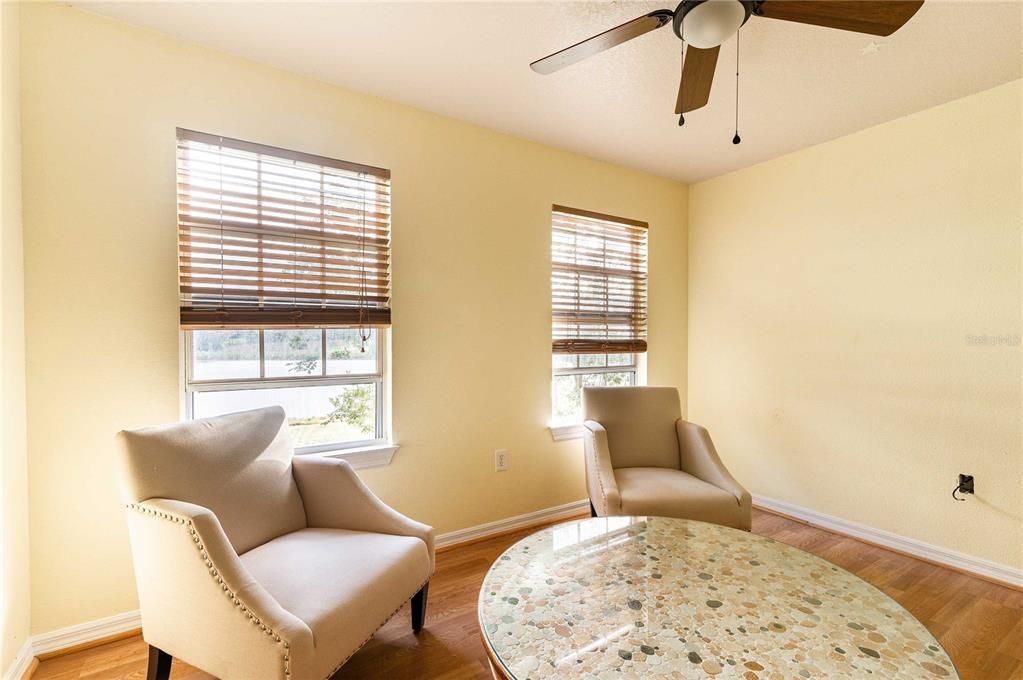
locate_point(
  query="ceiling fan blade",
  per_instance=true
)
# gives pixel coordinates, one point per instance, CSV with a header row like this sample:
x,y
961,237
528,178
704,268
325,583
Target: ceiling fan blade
x,y
876,17
697,77
603,41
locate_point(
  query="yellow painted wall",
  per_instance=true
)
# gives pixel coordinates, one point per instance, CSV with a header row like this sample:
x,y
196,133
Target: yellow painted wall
x,y
14,541
838,299
471,340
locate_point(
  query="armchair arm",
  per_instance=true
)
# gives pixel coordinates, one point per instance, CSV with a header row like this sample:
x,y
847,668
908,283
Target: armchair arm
x,y
600,476
336,498
199,602
698,457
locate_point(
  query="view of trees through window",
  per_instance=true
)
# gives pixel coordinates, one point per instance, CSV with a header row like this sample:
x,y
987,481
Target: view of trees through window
x,y
327,380
573,372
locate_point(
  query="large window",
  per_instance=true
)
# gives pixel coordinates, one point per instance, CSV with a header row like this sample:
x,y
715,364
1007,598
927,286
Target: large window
x,y
284,271
598,305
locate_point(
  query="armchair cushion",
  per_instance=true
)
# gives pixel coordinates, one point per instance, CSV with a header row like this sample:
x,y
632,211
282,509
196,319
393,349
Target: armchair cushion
x,y
673,493
238,466
640,424
342,584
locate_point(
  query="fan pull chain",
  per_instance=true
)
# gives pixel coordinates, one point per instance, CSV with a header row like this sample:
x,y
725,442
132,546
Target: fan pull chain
x,y
736,139
681,91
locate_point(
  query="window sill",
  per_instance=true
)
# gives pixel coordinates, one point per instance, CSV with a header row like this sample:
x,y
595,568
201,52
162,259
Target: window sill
x,y
364,457
566,431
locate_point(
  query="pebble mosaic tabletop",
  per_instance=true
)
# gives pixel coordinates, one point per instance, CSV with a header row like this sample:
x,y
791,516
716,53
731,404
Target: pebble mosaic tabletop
x,y
648,597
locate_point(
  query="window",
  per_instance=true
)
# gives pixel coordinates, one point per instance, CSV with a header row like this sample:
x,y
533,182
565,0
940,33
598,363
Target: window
x,y
598,303
284,272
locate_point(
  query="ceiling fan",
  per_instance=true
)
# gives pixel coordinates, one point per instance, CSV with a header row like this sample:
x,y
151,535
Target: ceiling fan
x,y
705,24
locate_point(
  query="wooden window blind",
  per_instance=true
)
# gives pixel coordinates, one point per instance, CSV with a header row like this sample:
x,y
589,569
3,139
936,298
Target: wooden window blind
x,y
269,237
598,283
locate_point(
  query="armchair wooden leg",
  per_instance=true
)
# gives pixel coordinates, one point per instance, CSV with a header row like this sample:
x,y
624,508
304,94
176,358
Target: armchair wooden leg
x,y
159,664
419,608
593,510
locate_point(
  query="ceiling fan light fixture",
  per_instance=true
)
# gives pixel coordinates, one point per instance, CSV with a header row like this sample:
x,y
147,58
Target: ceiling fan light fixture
x,y
708,23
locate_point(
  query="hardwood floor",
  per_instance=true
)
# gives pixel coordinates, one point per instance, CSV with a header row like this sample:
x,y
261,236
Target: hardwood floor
x,y
979,623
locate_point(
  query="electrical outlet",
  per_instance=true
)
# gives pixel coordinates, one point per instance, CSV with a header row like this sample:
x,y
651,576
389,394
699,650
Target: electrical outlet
x,y
500,460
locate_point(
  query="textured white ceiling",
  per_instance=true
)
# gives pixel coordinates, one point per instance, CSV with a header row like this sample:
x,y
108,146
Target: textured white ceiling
x,y
801,85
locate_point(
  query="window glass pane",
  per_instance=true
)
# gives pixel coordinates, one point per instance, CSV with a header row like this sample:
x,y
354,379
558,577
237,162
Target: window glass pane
x,y
345,355
592,360
568,396
615,379
223,355
331,414
292,353
565,360
568,404
621,359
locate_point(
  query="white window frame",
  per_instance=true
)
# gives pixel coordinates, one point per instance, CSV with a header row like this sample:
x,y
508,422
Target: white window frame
x,y
361,453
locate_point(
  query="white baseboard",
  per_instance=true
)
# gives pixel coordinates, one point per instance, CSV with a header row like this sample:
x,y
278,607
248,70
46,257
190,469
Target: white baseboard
x,y
64,638
89,631
511,523
926,551
22,660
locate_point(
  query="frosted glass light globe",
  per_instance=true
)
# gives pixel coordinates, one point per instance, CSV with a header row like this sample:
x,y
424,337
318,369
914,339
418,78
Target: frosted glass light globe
x,y
712,22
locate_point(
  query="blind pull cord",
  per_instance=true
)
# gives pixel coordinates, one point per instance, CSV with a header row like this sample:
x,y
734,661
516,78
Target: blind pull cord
x,y
220,179
363,331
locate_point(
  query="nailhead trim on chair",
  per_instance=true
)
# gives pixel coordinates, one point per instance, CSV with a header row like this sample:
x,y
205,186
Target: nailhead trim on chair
x,y
596,468
600,482
389,617
223,585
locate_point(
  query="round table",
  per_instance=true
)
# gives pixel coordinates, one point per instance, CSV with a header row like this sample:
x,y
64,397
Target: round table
x,y
651,597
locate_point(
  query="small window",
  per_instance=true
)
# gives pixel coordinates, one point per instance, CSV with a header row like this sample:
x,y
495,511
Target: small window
x,y
598,305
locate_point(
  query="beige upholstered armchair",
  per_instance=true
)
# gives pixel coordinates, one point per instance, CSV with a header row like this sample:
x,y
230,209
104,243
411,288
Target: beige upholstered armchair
x,y
252,564
643,459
